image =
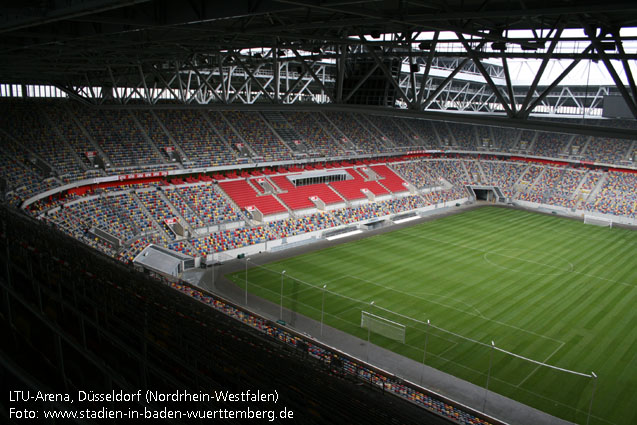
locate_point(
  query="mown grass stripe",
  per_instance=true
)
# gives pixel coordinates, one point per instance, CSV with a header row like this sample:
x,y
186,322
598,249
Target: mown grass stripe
x,y
493,274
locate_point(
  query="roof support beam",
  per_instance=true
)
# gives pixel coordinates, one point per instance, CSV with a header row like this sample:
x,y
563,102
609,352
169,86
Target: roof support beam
x,y
444,83
277,74
485,74
540,72
224,88
300,92
252,77
74,10
340,66
73,95
629,73
146,96
296,83
313,74
425,75
412,73
525,113
507,77
361,82
203,82
595,40
244,85
389,76
113,85
167,86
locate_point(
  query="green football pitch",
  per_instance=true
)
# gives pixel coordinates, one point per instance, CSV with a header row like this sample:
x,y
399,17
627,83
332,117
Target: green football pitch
x,y
556,296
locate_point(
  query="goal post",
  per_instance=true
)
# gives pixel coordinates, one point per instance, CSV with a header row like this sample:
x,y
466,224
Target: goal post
x,y
382,326
598,221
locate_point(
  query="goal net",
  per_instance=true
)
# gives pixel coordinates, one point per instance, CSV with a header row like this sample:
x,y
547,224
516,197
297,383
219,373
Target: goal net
x,y
598,221
382,326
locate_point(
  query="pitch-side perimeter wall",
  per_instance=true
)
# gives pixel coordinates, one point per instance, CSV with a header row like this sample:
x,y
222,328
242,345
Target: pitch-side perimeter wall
x,y
269,245
576,213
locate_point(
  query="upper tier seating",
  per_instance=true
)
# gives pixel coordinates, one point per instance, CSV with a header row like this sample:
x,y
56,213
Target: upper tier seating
x,y
71,133
504,138
359,135
372,124
605,150
550,145
151,127
524,143
114,130
201,144
330,128
422,132
255,131
226,131
26,123
391,129
464,136
483,135
314,134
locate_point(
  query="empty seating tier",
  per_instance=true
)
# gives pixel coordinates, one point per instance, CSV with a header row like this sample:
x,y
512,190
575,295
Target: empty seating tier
x,y
299,197
245,196
390,180
355,188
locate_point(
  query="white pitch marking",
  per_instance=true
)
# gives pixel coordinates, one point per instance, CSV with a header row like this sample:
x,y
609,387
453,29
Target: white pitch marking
x,y
538,366
467,312
487,252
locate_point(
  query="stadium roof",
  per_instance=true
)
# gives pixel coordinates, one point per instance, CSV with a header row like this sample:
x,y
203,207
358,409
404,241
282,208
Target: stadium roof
x,y
81,46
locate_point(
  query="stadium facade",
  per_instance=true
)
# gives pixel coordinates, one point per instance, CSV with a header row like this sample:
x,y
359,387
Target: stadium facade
x,y
140,141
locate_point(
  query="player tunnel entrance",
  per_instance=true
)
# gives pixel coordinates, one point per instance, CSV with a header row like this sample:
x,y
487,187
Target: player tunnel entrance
x,y
487,193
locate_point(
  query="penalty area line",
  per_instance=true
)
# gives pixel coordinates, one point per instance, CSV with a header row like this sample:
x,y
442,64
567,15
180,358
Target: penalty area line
x,y
538,366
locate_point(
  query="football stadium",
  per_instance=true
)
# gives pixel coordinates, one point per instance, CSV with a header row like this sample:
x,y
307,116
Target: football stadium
x,y
318,212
